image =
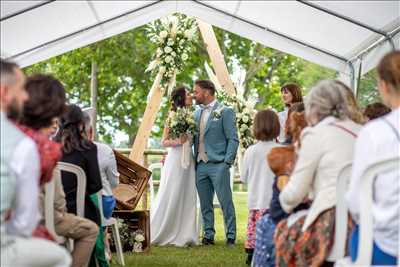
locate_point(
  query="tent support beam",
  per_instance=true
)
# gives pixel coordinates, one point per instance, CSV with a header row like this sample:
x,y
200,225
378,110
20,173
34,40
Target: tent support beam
x,y
273,32
379,42
352,76
26,10
358,23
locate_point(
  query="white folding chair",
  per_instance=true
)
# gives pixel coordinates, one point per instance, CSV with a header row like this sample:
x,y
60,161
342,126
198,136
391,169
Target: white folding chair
x,y
341,217
49,197
112,222
365,242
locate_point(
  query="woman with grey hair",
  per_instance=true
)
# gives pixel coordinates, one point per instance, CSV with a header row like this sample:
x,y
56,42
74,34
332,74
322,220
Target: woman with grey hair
x,y
326,146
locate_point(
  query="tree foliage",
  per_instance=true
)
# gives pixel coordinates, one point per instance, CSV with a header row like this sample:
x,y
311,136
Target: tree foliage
x,y
123,85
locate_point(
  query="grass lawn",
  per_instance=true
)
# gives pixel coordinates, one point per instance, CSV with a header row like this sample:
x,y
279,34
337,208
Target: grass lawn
x,y
218,255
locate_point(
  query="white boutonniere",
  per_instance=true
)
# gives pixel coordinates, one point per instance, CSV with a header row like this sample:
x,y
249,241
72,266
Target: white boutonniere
x,y
217,114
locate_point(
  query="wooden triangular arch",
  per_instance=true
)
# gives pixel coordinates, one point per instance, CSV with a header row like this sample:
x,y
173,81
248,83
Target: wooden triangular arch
x,y
156,93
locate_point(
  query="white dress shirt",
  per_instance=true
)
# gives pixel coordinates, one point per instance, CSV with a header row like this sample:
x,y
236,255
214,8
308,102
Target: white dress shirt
x,y
25,165
108,168
257,174
376,142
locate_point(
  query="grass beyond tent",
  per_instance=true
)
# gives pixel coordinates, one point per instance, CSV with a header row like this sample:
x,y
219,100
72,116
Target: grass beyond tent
x,y
215,256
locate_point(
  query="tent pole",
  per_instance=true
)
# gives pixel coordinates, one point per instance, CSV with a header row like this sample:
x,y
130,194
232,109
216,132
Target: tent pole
x,y
93,95
352,77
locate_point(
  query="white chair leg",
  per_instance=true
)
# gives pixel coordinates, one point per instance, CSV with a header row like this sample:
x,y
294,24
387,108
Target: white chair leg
x,y
118,245
69,242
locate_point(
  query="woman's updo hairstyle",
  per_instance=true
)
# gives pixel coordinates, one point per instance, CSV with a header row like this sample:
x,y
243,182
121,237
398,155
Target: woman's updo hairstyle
x,y
178,98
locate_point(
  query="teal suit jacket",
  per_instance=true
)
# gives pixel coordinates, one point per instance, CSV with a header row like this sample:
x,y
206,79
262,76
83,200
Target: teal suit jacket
x,y
220,137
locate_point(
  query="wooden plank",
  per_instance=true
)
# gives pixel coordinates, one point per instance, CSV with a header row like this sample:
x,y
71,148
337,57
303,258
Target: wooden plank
x,y
148,120
216,56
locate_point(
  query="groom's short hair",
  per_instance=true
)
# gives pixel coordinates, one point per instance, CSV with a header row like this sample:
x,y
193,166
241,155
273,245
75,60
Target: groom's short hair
x,y
206,85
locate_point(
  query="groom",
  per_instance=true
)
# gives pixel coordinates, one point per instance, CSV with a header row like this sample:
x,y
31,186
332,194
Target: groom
x,y
215,149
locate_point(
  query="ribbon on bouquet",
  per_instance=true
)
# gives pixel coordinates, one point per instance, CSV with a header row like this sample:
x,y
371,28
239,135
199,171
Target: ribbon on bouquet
x,y
186,154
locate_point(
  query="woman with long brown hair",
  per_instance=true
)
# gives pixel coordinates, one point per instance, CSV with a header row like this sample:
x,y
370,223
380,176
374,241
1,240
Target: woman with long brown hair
x,y
291,93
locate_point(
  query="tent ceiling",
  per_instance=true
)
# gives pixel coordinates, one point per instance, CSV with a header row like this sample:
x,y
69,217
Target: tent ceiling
x,y
329,33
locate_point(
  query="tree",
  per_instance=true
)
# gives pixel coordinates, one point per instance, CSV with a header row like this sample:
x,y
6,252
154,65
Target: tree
x,y
367,89
123,84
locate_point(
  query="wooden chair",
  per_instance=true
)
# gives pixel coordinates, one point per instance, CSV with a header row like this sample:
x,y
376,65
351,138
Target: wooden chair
x,y
112,222
49,198
365,242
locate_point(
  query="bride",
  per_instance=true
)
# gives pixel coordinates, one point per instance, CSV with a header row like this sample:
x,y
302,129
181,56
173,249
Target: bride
x,y
173,213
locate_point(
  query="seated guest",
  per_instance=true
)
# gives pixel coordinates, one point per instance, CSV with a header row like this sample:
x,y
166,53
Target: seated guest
x,y
325,147
281,161
19,211
110,179
108,170
80,151
375,110
257,174
379,140
47,102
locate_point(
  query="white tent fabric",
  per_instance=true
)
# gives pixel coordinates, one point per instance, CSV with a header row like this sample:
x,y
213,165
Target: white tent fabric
x,y
335,34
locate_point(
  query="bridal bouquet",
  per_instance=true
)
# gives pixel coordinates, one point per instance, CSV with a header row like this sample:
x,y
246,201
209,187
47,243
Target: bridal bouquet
x,y
181,122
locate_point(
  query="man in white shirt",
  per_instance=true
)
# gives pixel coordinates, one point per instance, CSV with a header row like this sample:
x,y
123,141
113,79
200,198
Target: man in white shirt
x,y
20,157
108,169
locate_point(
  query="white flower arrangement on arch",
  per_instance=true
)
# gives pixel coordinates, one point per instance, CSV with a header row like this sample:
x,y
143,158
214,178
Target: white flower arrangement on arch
x,y
174,36
245,113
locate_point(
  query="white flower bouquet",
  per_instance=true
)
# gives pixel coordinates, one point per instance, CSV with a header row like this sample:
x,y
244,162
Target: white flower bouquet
x,y
181,122
138,239
245,113
173,36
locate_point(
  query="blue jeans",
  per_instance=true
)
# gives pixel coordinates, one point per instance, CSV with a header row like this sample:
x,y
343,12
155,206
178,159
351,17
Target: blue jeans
x,y
108,206
378,256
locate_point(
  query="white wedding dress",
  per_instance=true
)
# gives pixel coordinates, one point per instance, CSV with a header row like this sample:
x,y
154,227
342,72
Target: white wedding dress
x,y
173,213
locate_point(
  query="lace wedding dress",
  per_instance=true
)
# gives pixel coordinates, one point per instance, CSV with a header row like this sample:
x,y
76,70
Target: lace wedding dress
x,y
173,213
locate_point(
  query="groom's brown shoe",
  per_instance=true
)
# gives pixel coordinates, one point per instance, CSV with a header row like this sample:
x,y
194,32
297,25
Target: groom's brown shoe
x,y
207,241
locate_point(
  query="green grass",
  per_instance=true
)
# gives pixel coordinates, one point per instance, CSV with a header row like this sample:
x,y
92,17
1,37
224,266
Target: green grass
x,y
219,255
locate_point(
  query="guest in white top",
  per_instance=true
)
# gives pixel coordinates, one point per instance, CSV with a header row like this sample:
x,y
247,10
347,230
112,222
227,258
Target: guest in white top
x,y
108,170
19,177
291,93
379,140
325,147
256,172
